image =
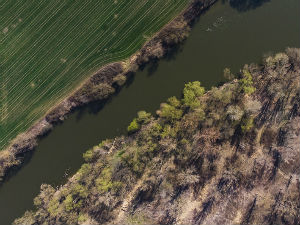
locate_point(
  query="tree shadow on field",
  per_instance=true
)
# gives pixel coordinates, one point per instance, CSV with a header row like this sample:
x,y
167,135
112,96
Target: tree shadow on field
x,y
245,5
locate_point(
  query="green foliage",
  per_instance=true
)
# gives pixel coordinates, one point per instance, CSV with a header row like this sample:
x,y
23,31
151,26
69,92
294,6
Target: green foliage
x,y
170,111
84,169
82,218
79,190
143,117
155,129
120,153
70,204
88,155
247,124
184,141
191,92
135,158
103,143
246,83
53,207
173,101
104,182
133,126
170,131
73,200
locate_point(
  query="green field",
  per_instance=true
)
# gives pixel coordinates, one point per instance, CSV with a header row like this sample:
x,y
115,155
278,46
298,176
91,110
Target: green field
x,y
48,47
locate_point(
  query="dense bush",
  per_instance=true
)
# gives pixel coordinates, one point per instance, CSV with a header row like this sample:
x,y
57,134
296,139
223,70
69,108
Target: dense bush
x,y
143,117
247,124
191,92
133,126
246,83
170,111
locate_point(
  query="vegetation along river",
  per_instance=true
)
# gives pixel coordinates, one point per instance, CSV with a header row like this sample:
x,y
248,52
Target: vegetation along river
x,y
227,35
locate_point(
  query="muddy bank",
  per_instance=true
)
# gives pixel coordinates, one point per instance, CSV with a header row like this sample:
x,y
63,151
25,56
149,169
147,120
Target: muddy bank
x,y
103,84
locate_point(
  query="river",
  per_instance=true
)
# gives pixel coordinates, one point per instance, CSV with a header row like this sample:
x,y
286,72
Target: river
x,y
225,36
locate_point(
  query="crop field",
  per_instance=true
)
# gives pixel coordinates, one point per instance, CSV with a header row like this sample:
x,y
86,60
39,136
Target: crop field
x,y
48,47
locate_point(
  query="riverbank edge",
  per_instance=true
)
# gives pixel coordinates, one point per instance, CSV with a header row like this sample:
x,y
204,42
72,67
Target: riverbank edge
x,y
101,84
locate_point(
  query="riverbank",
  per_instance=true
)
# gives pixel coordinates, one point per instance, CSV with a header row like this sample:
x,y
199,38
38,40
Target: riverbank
x,y
102,84
239,141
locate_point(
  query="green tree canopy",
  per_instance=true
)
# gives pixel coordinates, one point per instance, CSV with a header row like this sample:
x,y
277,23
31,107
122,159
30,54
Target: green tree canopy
x,y
191,92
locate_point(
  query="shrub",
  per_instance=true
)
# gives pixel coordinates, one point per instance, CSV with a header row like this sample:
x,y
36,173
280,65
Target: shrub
x,y
169,131
53,207
170,111
247,124
104,183
68,202
246,83
133,158
133,126
82,218
191,92
143,117
88,155
173,101
223,95
84,170
227,74
155,130
79,190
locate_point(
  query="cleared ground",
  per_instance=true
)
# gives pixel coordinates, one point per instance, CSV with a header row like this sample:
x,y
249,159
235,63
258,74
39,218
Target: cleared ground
x,y
48,47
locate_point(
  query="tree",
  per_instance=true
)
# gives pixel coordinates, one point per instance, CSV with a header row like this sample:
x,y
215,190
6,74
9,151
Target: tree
x,y
191,92
247,124
143,117
133,126
246,83
170,111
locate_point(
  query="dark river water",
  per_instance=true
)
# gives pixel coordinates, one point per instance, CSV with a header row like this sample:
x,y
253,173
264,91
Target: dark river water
x,y
225,36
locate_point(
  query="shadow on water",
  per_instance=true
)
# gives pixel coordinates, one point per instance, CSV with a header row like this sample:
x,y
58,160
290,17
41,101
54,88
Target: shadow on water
x,y
245,5
149,69
171,55
26,158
